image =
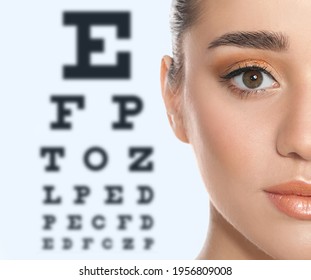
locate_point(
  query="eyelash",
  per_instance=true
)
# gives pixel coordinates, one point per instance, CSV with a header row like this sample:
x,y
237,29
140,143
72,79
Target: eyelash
x,y
243,93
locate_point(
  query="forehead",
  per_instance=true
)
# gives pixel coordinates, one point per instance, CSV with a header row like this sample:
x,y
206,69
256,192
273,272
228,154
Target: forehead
x,y
221,16
289,18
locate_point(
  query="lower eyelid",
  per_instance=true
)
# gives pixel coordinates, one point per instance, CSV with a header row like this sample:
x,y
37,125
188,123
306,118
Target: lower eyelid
x,y
244,94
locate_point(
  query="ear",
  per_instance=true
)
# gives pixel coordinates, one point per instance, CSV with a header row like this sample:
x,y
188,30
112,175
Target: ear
x,y
173,101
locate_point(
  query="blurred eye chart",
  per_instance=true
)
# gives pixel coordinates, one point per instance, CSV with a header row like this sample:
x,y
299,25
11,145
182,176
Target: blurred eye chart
x,y
90,168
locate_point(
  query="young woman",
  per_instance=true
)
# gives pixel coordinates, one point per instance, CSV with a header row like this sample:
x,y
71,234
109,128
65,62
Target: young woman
x,y
238,89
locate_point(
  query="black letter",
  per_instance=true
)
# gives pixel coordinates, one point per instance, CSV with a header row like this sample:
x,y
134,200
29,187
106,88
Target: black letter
x,y
82,192
125,110
52,152
101,221
138,164
74,222
128,244
123,219
86,242
112,195
107,243
48,244
146,195
86,45
101,164
67,243
49,199
49,220
62,111
148,243
147,222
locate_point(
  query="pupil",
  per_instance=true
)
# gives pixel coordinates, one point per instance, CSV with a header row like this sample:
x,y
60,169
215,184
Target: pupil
x,y
252,79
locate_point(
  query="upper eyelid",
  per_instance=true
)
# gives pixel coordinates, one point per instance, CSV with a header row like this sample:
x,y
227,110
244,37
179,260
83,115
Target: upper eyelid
x,y
252,62
241,70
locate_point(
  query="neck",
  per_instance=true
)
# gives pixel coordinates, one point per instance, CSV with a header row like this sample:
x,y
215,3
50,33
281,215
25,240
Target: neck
x,y
224,242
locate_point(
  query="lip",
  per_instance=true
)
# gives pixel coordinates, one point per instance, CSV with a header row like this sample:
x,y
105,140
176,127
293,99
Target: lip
x,y
292,198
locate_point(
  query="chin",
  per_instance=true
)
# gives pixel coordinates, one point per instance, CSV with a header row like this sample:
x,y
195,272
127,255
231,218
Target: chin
x,y
290,241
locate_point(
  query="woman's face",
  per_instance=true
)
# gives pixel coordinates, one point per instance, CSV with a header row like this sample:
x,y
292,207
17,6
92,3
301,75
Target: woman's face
x,y
245,107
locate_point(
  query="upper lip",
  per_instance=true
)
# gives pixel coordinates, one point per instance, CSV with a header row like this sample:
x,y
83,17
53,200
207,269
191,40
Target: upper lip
x,y
299,188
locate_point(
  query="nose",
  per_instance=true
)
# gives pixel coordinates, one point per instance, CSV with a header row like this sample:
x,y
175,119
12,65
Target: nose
x,y
294,133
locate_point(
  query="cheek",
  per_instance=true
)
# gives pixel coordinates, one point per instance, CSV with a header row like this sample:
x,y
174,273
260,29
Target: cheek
x,y
232,141
228,151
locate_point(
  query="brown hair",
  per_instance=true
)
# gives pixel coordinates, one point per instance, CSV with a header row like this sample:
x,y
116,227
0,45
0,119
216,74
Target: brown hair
x,y
184,14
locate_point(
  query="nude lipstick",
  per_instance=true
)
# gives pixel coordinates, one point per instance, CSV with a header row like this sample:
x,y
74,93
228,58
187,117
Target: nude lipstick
x,y
292,198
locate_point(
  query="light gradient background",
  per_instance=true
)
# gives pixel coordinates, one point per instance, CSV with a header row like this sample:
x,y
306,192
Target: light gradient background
x,y
35,45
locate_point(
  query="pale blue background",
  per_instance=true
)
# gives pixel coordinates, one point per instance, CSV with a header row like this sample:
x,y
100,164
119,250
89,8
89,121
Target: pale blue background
x,y
33,48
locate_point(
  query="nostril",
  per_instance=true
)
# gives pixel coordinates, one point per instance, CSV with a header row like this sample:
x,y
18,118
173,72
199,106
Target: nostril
x,y
294,155
296,152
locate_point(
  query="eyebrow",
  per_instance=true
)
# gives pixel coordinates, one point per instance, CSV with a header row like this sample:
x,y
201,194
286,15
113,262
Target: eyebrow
x,y
263,40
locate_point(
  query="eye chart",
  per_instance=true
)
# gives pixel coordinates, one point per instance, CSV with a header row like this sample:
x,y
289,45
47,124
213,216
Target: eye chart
x,y
90,167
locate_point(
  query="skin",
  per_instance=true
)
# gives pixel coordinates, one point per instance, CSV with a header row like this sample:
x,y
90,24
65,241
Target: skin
x,y
244,145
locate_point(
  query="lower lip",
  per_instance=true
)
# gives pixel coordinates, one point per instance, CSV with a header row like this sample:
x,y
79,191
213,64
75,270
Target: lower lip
x,y
295,206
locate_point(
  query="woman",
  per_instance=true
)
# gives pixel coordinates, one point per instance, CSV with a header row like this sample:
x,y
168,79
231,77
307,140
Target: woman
x,y
238,89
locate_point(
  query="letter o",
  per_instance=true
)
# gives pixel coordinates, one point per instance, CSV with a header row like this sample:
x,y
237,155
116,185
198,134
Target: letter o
x,y
95,166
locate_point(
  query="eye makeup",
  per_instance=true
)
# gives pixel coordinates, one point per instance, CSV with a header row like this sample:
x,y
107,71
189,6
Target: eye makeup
x,y
249,78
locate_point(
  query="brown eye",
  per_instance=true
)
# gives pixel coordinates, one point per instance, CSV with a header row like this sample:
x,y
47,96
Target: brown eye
x,y
252,79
